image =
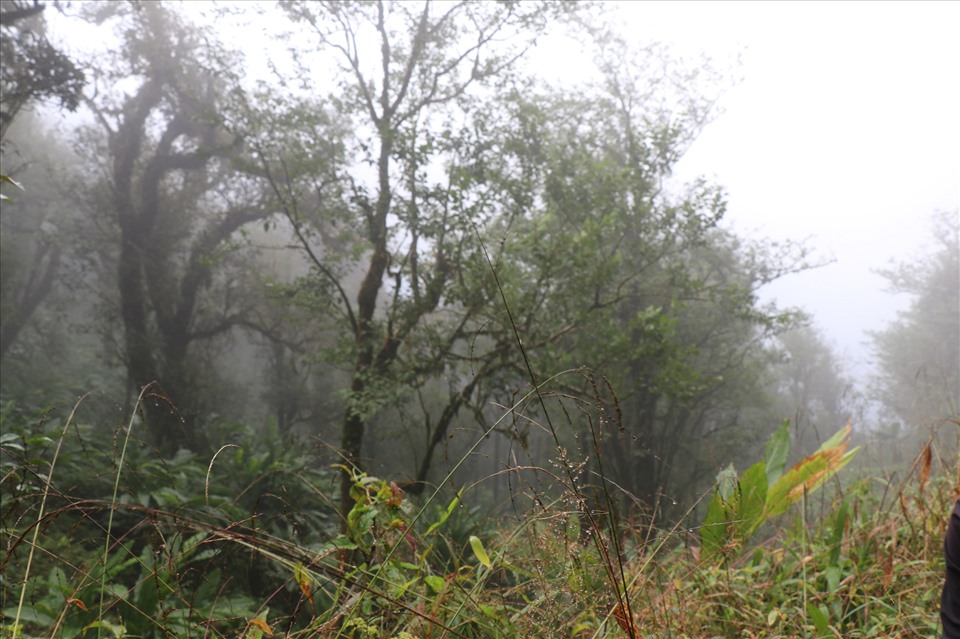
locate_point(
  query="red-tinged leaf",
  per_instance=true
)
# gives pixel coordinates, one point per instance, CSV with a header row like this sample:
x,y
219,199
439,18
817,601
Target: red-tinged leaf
x,y
78,603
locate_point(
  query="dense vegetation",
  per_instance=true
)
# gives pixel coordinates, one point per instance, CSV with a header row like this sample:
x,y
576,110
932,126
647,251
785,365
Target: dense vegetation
x,y
398,340
102,536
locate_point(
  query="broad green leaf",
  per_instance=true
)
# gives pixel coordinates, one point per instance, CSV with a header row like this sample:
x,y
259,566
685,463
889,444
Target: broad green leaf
x,y
727,482
835,540
739,507
837,438
713,532
751,501
730,522
806,476
117,630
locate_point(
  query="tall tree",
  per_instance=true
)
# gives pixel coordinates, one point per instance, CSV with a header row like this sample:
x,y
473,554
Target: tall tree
x,y
35,229
919,353
603,267
176,203
31,70
551,202
814,391
406,105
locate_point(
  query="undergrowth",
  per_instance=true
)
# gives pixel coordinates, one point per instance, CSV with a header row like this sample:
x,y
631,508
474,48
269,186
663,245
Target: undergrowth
x,y
102,537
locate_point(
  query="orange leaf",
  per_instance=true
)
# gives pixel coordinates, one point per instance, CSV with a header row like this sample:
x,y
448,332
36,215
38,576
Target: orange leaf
x,y
306,589
76,602
261,625
829,458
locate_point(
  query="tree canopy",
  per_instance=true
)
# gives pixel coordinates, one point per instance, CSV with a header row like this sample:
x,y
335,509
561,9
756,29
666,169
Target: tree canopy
x,y
404,230
919,353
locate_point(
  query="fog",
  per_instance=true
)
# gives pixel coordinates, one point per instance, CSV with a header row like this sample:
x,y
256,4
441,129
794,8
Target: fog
x,y
842,130
704,218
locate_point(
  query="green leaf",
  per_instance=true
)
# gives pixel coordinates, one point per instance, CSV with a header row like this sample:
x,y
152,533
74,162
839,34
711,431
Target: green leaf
x,y
835,541
117,630
480,552
739,507
772,617
436,583
777,449
446,515
31,614
837,438
819,618
730,521
833,575
713,531
809,474
727,482
751,500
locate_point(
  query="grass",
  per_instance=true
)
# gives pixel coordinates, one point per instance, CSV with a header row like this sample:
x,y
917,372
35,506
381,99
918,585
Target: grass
x,y
105,542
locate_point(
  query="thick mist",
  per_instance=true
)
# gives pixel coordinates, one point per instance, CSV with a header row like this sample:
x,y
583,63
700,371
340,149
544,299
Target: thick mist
x,y
394,319
446,258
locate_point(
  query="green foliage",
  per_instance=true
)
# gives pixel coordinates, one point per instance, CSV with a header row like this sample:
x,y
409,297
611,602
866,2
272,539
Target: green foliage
x,y
190,552
459,229
180,527
740,506
32,69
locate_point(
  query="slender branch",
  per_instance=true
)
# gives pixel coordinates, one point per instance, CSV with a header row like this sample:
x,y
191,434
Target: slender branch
x,y
304,243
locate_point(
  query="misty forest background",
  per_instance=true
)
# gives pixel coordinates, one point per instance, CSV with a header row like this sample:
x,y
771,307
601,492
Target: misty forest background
x,y
237,294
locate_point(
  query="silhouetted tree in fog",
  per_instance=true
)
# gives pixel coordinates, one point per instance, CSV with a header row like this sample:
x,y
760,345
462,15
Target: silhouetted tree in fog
x,y
31,70
177,204
919,352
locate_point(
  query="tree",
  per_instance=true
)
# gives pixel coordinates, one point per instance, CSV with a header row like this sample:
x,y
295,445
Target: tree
x,y
41,268
511,213
177,205
32,68
32,252
815,393
605,269
918,354
411,228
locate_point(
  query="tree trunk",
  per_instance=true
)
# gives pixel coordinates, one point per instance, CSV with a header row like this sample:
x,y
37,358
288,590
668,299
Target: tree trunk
x,y
46,261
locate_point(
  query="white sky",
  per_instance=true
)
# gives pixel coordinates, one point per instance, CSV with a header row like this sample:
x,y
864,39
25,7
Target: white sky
x,y
845,128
